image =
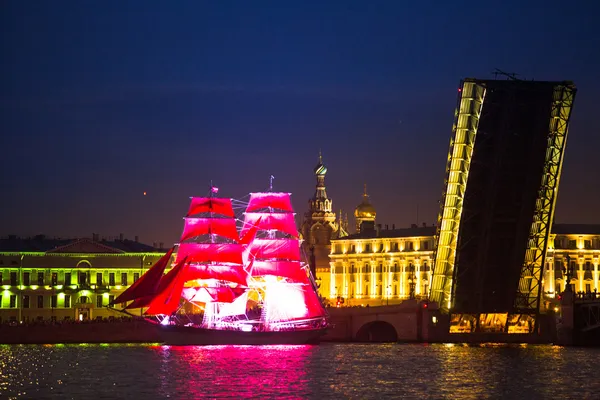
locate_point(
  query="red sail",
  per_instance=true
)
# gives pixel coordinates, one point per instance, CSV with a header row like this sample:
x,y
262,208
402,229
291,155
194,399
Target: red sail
x,y
148,282
167,301
280,201
274,248
250,234
283,222
140,303
229,273
285,269
313,304
210,204
201,226
210,252
223,294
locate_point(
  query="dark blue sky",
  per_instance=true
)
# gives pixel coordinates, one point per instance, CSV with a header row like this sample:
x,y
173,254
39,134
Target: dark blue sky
x,y
101,101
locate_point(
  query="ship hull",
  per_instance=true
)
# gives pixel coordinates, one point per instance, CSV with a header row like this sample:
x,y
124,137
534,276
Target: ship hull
x,y
186,336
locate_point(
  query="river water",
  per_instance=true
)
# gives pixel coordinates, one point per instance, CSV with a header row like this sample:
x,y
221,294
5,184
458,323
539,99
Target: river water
x,y
328,371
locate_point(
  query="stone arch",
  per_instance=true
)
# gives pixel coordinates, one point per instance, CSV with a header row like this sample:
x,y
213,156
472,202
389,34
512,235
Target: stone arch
x,y
377,331
84,264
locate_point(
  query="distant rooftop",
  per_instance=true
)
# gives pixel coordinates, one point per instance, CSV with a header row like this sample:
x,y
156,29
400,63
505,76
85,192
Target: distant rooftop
x,y
421,231
41,243
393,233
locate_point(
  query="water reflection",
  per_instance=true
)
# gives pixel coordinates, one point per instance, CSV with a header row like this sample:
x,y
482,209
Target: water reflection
x,y
357,371
234,371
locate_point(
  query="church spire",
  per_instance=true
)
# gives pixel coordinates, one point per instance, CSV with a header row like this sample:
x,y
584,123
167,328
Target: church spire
x,y
320,171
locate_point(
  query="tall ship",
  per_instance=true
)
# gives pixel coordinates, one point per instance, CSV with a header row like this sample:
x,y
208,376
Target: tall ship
x,y
234,279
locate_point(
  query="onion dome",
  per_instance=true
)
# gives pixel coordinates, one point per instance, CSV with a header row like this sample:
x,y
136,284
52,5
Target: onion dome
x,y
365,210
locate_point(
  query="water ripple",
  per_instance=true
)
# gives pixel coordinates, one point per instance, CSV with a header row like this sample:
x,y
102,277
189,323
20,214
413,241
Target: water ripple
x,y
330,371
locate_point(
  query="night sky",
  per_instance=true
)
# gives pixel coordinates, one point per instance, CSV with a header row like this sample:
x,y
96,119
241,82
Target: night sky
x,y
101,101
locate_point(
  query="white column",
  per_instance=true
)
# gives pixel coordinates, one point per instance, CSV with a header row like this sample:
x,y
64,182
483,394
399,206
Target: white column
x,y
596,275
580,273
402,278
373,281
418,277
332,293
359,280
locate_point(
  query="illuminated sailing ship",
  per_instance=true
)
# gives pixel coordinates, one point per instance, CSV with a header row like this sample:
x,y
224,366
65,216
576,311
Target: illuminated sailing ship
x,y
230,285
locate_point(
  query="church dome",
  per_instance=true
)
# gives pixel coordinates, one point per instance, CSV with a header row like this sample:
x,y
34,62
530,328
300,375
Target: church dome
x,y
365,210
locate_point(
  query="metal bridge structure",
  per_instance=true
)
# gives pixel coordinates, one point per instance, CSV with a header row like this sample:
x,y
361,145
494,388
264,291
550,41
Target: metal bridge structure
x,y
497,208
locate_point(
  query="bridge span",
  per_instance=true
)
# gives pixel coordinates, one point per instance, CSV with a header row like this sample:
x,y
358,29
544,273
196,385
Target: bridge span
x,y
410,321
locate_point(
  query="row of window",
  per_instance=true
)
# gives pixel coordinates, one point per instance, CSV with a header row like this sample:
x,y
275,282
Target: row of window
x,y
562,243
27,301
83,278
587,266
380,269
368,248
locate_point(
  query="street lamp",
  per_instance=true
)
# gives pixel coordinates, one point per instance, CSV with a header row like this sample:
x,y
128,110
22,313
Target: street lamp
x,y
411,285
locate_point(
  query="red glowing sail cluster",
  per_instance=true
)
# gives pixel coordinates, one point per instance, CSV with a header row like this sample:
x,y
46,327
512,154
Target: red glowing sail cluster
x,y
219,268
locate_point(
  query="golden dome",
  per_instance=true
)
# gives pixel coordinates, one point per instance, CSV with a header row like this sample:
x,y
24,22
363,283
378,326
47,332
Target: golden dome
x,y
365,209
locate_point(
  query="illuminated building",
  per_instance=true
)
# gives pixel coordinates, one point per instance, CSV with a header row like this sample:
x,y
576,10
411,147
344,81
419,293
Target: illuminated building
x,y
67,279
384,266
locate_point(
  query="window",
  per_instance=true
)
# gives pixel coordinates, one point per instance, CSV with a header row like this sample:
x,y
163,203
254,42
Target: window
x,y
83,278
99,301
396,248
13,278
40,278
67,278
395,267
124,278
111,279
588,288
13,301
587,244
426,245
572,244
588,266
54,301
26,279
40,301
84,300
54,278
67,301
409,246
368,248
136,276
111,298
25,301
98,278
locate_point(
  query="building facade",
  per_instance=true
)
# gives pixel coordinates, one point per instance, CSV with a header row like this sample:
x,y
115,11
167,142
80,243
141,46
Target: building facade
x,y
387,266
47,279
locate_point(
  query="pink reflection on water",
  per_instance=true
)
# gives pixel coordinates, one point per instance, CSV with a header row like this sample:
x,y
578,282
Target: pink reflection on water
x,y
234,371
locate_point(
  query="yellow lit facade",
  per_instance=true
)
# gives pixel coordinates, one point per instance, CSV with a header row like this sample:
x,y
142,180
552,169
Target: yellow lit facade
x,y
387,266
75,281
